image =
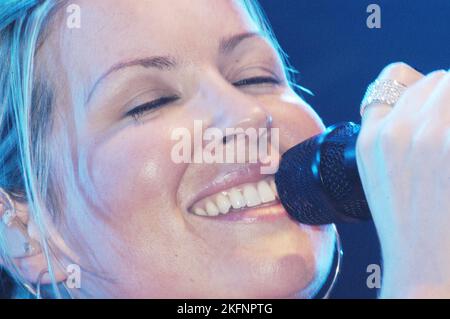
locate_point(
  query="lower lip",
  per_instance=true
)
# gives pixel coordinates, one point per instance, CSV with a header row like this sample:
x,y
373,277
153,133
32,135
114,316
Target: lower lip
x,y
266,213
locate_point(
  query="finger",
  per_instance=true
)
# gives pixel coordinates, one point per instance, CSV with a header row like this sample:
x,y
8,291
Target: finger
x,y
438,104
416,97
399,72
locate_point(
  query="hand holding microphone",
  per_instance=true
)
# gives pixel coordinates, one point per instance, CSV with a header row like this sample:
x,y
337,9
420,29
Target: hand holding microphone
x,y
403,158
402,154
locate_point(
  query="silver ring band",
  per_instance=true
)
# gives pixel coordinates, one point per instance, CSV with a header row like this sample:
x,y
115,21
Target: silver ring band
x,y
382,92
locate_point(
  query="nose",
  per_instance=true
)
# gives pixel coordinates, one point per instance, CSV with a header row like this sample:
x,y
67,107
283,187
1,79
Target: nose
x,y
226,106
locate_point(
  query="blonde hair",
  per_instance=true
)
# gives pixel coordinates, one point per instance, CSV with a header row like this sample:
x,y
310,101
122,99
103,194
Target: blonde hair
x,y
26,105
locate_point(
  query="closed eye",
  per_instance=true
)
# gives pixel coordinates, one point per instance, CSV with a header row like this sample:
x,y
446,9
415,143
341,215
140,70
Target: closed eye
x,y
140,110
257,80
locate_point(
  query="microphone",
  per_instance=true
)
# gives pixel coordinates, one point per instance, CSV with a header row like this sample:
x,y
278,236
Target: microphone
x,y
318,181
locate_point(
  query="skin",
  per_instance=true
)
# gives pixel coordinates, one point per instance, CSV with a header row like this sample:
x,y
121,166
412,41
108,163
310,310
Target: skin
x,y
139,233
403,157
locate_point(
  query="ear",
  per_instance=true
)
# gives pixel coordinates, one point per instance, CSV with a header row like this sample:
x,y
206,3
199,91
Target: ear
x,y
20,237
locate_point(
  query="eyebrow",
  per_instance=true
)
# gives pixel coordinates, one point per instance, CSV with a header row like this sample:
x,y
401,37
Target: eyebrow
x,y
167,62
227,44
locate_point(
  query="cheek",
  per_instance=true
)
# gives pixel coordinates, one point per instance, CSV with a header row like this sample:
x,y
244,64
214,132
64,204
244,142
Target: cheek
x,y
131,171
296,120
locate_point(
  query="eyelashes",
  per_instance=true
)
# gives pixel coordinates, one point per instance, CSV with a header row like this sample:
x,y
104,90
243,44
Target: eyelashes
x,y
140,110
257,80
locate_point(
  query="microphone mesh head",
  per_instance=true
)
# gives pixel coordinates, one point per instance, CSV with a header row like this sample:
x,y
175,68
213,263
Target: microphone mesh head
x,y
340,176
316,182
298,188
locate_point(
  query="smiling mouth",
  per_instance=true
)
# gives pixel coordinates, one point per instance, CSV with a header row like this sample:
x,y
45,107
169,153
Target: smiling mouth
x,y
238,199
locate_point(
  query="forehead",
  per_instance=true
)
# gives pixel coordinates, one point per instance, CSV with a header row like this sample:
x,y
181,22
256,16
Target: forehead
x,y
116,30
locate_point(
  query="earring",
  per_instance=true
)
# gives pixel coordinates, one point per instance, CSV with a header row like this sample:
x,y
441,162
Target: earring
x,y
30,246
337,260
11,220
10,211
37,293
39,283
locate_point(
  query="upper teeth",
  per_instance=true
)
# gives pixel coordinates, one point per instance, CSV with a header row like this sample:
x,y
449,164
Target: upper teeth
x,y
246,195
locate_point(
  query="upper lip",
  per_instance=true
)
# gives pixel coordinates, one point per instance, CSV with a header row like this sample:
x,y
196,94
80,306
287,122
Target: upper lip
x,y
240,174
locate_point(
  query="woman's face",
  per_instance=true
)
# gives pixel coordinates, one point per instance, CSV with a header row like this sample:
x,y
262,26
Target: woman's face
x,y
141,229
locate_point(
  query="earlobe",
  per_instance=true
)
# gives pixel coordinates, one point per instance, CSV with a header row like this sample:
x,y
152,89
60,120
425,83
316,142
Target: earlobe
x,y
21,242
14,230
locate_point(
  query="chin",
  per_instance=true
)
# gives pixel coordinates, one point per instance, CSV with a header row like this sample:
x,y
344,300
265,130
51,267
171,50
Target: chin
x,y
282,276
291,277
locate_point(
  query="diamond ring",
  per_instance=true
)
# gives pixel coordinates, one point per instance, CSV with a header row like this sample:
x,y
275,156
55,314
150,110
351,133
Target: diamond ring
x,y
382,92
